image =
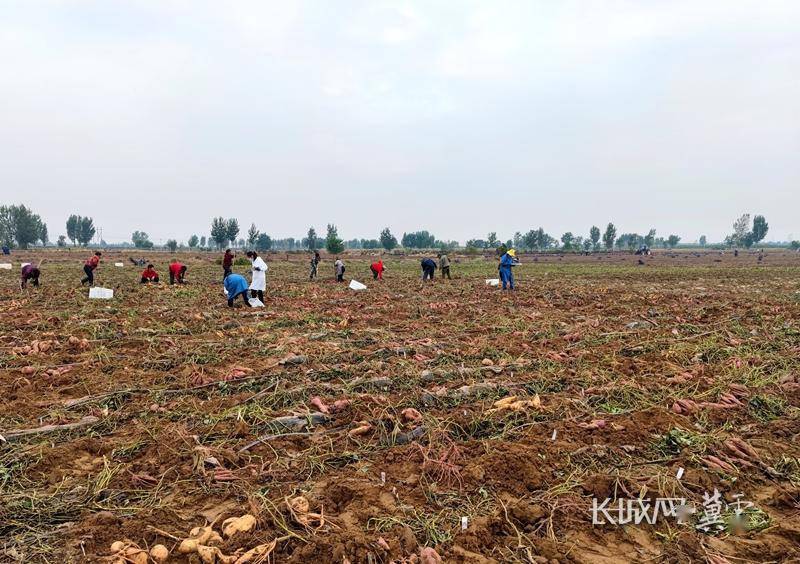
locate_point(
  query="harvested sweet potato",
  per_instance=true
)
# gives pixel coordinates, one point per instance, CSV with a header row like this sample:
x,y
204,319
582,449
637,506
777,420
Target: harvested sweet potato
x,y
235,525
317,402
410,415
197,537
361,430
159,553
261,552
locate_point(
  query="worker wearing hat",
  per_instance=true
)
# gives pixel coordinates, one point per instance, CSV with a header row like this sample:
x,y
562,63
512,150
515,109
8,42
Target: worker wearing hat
x,y
507,261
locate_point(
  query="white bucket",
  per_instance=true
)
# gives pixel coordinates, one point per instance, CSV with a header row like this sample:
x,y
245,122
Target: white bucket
x,y
492,281
101,293
5,266
24,264
255,302
119,264
355,285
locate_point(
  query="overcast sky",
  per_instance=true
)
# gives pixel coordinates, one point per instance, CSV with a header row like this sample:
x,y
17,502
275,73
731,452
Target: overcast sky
x,y
460,117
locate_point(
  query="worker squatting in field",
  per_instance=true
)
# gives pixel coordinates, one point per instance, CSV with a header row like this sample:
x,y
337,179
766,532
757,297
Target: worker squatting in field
x,y
149,275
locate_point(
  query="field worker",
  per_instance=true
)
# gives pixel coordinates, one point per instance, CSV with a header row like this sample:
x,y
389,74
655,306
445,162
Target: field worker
x,y
259,283
236,285
315,260
149,275
29,272
227,263
377,269
338,267
428,268
507,261
88,268
444,264
177,271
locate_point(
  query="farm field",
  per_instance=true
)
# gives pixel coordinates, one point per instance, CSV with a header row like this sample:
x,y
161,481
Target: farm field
x,y
370,426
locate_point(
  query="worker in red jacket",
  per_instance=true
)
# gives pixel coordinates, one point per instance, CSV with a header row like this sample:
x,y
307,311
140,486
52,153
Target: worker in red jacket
x,y
377,269
88,268
227,263
149,275
177,271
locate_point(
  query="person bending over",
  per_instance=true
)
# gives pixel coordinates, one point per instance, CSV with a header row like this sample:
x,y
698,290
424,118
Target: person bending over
x,y
177,272
89,267
29,272
236,285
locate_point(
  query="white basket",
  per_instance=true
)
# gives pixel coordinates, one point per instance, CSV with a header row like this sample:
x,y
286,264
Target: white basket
x,y
24,264
5,266
255,302
101,293
355,285
119,264
492,281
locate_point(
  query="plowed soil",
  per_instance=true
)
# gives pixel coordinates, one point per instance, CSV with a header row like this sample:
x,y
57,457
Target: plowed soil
x,y
623,374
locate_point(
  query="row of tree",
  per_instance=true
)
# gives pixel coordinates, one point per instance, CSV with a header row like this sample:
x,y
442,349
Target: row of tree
x,y
21,227
225,231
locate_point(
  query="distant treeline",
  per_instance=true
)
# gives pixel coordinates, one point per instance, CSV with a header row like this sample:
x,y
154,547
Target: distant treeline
x,y
21,227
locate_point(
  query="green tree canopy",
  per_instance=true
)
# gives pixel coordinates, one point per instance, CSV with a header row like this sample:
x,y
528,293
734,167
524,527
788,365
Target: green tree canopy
x,y
594,236
333,243
388,241
609,236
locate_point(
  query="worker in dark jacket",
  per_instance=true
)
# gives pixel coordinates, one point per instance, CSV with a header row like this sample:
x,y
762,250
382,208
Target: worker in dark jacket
x,y
315,260
428,268
29,272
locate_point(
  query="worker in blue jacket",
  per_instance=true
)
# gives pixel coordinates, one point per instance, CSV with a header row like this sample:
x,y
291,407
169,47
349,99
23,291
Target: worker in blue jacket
x,y
236,285
428,268
507,261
